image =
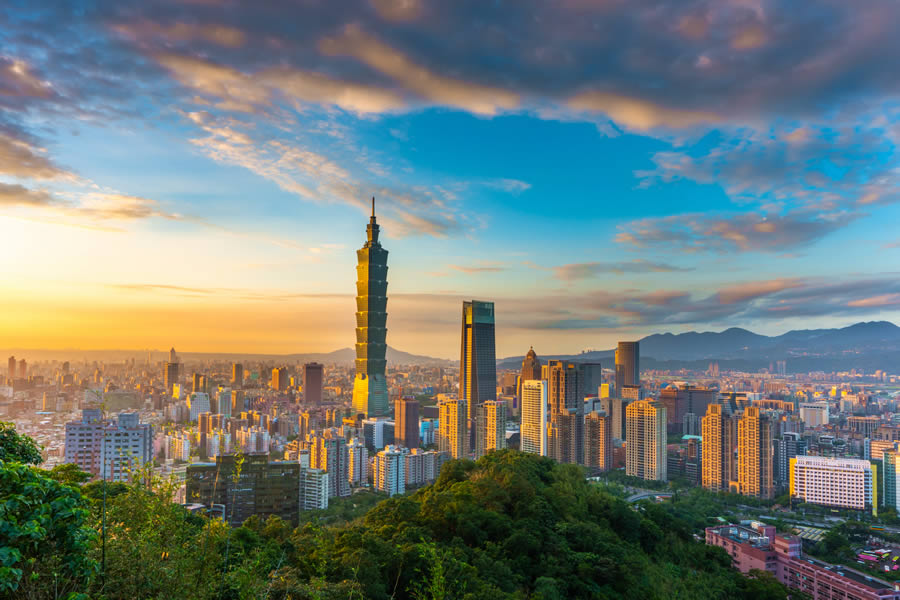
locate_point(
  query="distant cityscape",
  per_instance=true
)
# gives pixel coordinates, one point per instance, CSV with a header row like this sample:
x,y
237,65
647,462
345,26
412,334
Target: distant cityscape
x,y
294,436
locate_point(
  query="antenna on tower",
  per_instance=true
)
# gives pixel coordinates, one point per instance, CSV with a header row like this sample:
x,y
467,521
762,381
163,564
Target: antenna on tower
x,y
373,206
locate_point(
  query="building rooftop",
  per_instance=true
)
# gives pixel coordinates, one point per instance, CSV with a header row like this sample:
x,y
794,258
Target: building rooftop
x,y
855,576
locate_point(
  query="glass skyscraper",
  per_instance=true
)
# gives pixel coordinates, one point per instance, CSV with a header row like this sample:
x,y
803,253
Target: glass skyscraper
x,y
478,359
628,366
370,395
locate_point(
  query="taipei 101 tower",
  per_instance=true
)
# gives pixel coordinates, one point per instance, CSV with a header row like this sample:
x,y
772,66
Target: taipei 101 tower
x,y
370,395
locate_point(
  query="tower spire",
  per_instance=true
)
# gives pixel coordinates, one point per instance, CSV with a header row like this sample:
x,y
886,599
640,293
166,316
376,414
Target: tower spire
x,y
373,207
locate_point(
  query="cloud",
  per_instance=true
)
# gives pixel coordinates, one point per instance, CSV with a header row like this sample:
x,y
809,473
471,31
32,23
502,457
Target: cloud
x,y
222,35
398,10
21,159
638,114
485,268
579,271
735,232
18,80
17,195
473,97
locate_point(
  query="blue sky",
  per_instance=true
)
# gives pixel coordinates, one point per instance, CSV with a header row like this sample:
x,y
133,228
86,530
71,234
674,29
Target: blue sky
x,y
199,173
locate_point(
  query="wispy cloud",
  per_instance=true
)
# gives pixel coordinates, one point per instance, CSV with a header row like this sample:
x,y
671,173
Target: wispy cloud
x,y
579,271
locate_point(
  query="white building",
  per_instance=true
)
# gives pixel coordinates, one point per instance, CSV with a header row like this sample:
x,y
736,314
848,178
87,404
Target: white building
x,y
313,489
357,467
106,449
838,482
390,470
533,431
814,414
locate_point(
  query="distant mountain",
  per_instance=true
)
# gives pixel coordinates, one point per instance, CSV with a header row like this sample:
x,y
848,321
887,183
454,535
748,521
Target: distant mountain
x,y
872,345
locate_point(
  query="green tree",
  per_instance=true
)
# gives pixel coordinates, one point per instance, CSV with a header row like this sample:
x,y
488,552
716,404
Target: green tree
x,y
15,447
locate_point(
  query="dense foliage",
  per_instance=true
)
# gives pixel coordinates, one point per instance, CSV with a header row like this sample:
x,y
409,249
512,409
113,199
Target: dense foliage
x,y
511,526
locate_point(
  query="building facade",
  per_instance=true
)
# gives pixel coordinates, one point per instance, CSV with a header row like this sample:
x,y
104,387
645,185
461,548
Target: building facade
x,y
478,360
628,365
533,427
645,451
836,482
453,435
755,460
718,435
598,441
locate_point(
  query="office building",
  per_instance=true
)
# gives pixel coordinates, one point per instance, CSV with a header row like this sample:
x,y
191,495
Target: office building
x,y
389,471
591,377
263,488
758,547
478,361
628,367
328,451
598,441
370,394
196,385
23,369
789,445
835,482
615,410
279,380
11,369
313,383
645,449
755,461
490,423
531,370
237,375
406,422
533,428
719,440
682,400
453,433
378,433
693,459
170,377
313,489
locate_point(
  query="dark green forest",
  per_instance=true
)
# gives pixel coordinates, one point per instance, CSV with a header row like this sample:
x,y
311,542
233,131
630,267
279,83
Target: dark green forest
x,y
510,526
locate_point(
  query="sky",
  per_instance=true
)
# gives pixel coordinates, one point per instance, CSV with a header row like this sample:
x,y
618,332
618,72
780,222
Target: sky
x,y
199,173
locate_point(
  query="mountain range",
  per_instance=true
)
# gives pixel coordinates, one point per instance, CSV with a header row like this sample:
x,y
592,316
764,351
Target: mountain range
x,y
869,346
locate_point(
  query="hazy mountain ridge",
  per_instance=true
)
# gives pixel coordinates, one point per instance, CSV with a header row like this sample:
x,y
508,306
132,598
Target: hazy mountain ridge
x,y
869,345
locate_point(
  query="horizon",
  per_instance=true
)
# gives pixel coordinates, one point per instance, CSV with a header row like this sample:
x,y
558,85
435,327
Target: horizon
x,y
187,176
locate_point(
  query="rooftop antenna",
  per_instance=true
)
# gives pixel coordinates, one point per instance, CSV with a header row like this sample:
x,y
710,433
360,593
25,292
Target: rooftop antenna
x,y
373,207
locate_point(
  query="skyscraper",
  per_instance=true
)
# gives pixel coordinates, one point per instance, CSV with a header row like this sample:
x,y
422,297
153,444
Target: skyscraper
x,y
565,434
533,429
628,367
598,441
170,376
454,437
718,449
23,368
328,451
279,379
478,361
11,368
406,422
755,464
313,382
531,370
389,471
592,377
237,375
490,423
645,451
370,395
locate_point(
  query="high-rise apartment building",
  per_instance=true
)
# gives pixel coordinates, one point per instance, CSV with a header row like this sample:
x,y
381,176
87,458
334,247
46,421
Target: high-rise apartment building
x,y
237,375
279,380
108,449
755,460
370,394
533,428
358,462
718,434
198,403
835,482
313,383
406,422
598,441
490,424
313,489
389,471
890,479
628,366
645,450
565,433
614,407
478,360
454,435
23,369
328,451
11,368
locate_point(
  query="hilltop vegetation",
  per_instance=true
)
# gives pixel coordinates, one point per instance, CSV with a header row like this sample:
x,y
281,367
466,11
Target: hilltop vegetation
x,y
511,526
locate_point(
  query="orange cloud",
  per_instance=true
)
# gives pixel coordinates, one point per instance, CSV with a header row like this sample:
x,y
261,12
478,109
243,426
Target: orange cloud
x,y
638,114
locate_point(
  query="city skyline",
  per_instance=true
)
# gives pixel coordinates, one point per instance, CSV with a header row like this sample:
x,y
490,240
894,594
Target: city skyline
x,y
706,181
